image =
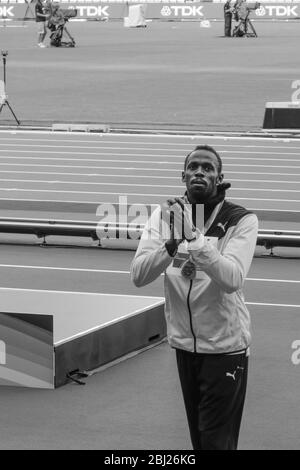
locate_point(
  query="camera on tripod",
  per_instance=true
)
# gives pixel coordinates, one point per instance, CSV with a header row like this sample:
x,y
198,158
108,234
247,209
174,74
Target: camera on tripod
x,y
244,27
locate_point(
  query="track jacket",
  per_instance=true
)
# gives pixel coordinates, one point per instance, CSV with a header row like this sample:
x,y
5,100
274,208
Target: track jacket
x,y
206,314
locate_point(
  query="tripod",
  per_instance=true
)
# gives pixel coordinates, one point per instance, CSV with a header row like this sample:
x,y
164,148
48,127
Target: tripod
x,y
3,97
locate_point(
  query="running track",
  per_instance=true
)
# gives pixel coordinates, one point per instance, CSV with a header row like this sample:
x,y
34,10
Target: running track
x,y
95,168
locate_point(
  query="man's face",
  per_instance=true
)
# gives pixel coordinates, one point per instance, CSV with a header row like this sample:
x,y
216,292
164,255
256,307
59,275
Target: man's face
x,y
202,176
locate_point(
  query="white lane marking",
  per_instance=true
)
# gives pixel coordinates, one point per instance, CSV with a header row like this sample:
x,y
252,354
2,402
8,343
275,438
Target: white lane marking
x,y
138,185
272,280
262,304
101,147
159,300
141,162
63,191
116,175
153,204
169,170
152,155
106,271
152,297
109,271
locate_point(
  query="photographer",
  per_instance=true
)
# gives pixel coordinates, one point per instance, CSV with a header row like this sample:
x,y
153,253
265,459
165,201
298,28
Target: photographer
x,y
40,17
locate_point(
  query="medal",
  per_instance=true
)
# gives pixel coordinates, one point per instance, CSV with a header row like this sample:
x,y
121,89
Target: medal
x,y
188,270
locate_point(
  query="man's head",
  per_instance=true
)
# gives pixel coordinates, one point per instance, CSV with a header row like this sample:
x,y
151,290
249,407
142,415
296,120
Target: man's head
x,y
202,174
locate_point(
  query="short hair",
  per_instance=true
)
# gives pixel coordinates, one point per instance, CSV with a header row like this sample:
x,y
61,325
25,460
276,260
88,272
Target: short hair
x,y
209,149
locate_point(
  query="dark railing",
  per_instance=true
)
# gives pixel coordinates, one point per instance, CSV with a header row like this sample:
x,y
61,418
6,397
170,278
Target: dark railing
x,y
97,231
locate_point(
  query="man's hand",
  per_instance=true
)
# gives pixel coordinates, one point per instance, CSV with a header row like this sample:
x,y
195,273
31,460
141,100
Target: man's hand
x,y
173,239
177,219
183,219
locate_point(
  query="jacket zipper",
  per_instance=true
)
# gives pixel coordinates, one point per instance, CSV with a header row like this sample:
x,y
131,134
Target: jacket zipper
x,y
190,314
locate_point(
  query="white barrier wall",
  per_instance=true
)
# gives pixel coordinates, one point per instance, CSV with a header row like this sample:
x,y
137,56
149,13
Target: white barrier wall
x,y
163,10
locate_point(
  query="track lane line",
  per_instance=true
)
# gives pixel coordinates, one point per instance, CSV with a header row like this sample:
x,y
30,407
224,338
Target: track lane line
x,y
137,185
36,165
146,156
131,194
152,204
132,142
126,176
109,271
159,299
179,164
262,304
101,147
150,297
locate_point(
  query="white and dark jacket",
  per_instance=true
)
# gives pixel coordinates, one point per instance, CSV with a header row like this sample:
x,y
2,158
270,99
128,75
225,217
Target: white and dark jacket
x,y
206,314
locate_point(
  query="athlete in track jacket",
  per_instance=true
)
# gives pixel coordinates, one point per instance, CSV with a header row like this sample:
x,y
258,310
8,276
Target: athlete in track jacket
x,y
205,310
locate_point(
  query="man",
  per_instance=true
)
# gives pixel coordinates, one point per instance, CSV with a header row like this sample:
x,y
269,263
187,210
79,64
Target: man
x,y
208,324
40,18
228,12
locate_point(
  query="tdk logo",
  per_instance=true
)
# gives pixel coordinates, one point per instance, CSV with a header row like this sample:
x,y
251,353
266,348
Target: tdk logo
x,y
93,10
2,353
178,10
277,10
5,12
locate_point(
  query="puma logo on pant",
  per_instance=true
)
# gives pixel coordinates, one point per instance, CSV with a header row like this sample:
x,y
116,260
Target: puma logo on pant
x,y
228,374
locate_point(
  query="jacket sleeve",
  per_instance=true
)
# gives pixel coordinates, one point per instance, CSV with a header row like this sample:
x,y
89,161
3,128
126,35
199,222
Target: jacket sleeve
x,y
230,268
151,258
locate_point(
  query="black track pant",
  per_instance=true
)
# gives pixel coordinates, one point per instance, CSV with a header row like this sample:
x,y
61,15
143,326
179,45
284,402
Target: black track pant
x,y
214,389
227,24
